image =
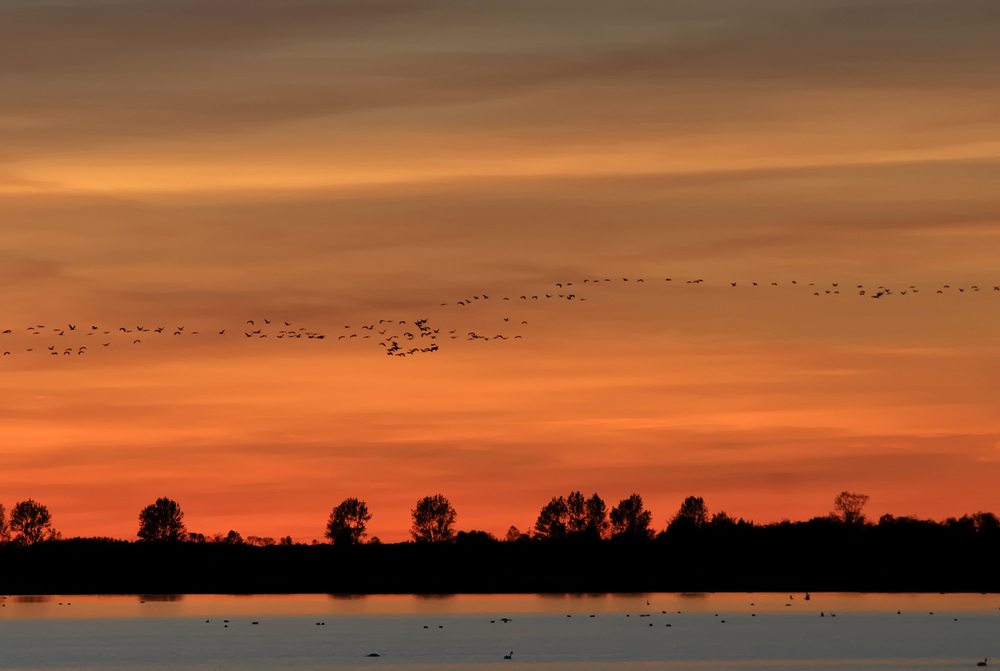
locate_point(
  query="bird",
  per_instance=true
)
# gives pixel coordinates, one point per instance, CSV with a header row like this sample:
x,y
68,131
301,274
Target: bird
x,y
511,656
983,663
136,342
222,332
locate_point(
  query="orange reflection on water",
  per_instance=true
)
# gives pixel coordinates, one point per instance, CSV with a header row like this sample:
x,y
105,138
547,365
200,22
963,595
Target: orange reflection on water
x,y
499,605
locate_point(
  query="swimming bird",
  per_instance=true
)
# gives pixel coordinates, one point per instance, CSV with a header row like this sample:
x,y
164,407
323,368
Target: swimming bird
x,y
983,663
511,656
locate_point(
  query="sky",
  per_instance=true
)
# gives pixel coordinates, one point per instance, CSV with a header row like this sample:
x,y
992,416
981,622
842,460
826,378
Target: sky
x,y
169,163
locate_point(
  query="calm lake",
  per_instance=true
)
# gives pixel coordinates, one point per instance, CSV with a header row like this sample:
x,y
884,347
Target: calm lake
x,y
621,632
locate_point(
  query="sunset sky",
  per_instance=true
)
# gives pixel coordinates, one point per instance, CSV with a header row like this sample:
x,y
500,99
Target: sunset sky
x,y
200,164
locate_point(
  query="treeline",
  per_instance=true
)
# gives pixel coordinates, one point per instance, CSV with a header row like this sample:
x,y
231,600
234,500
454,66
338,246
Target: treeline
x,y
575,545
574,517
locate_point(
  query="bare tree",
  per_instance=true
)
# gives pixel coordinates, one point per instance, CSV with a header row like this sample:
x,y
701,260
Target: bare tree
x,y
162,521
849,505
30,521
433,520
551,522
4,526
348,523
629,518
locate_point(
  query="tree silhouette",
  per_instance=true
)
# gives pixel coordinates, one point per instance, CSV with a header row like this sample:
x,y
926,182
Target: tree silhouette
x,y
693,514
30,521
433,520
849,505
985,522
576,513
721,519
597,517
4,526
629,519
348,523
233,538
162,521
551,522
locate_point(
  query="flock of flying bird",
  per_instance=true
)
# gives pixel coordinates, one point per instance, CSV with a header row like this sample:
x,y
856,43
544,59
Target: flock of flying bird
x,y
396,337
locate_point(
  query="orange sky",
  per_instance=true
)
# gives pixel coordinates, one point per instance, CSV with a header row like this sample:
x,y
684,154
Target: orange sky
x,y
168,163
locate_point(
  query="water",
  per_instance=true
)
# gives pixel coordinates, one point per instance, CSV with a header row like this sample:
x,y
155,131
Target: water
x,y
724,631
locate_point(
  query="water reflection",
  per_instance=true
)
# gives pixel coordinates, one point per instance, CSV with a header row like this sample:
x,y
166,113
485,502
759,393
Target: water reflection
x,y
32,599
491,605
164,597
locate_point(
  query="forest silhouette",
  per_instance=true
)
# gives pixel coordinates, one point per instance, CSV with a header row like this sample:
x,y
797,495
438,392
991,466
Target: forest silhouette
x,y
576,545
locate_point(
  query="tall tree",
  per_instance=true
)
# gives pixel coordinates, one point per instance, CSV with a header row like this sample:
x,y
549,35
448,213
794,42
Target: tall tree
x,y
849,505
433,520
576,513
693,514
162,521
597,517
4,526
30,521
551,522
630,519
348,523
